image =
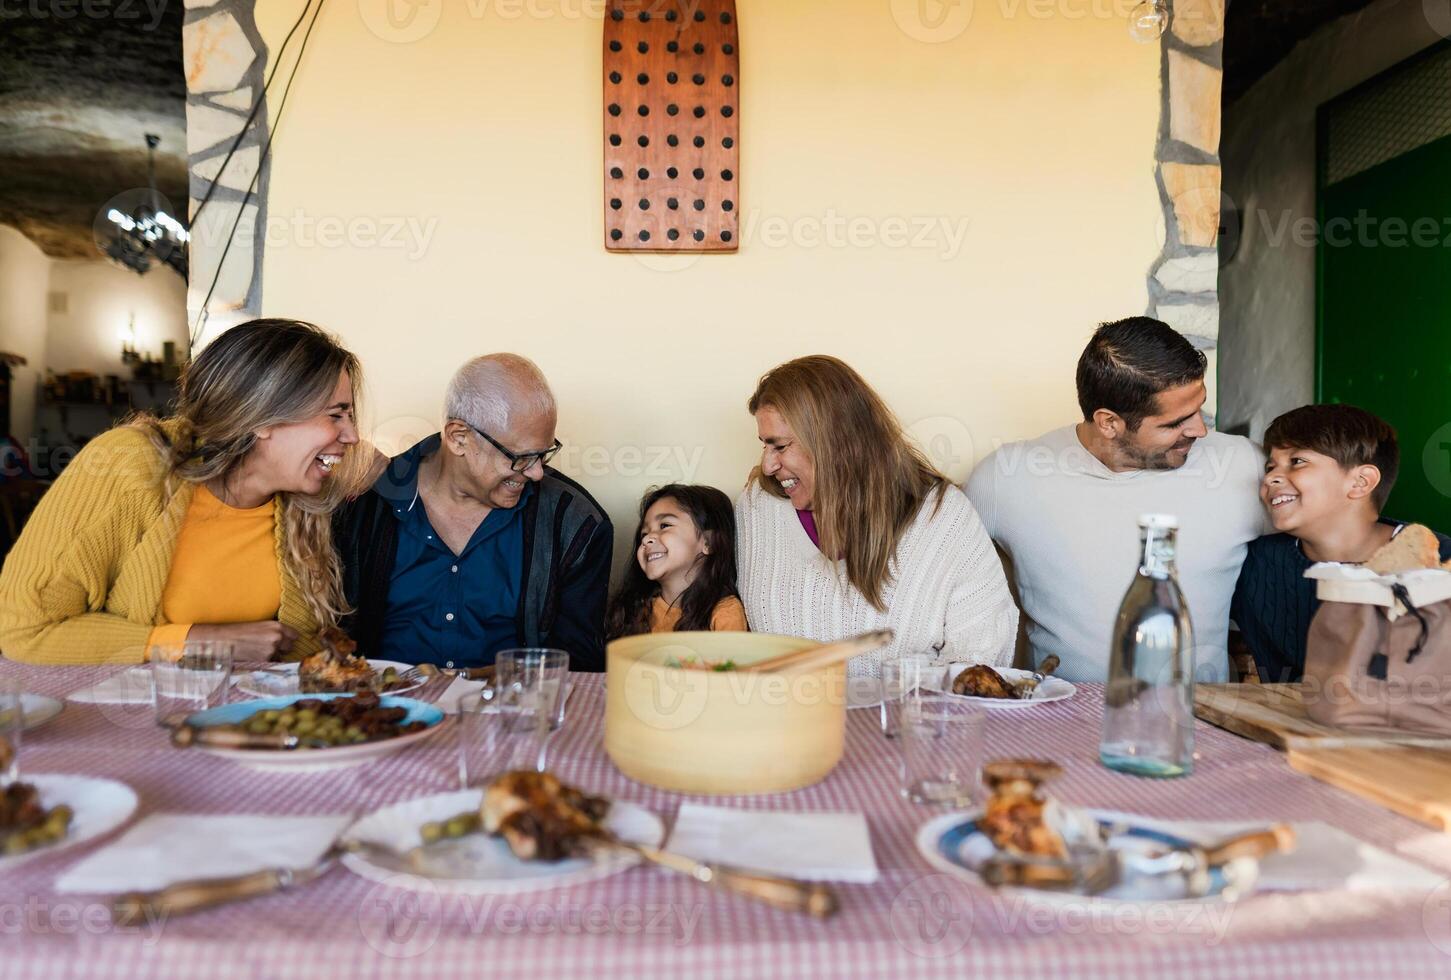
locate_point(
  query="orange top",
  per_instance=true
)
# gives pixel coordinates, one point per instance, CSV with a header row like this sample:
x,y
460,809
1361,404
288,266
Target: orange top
x,y
224,569
728,615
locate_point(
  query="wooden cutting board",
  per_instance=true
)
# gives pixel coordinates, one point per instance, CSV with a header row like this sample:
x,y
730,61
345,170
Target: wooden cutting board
x,y
1409,774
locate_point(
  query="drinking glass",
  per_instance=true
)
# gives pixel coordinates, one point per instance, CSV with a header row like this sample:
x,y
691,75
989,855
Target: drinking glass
x,y
189,677
901,680
497,733
534,676
12,722
941,749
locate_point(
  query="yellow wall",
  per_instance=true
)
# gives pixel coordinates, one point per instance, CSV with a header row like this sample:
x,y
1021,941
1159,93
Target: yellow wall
x,y
1036,131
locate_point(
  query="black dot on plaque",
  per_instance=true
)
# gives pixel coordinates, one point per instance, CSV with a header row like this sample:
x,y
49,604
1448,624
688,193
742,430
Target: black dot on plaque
x,y
644,204
644,236
672,46
616,173
616,203
643,141
616,77
699,173
699,205
699,16
727,175
699,48
673,234
727,49
616,46
614,139
673,140
727,111
728,142
643,47
700,112
616,235
617,15
698,78
672,109
672,173
643,174
644,110
726,236
614,109
643,78
698,235
699,141
671,16
673,203
644,16
727,205
727,80
725,17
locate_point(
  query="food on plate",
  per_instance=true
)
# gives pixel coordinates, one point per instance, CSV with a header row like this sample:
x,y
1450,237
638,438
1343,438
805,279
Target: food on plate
x,y
699,663
332,722
25,823
541,818
337,668
1018,817
981,681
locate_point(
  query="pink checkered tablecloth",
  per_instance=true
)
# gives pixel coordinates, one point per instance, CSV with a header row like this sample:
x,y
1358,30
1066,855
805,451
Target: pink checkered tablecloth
x,y
647,922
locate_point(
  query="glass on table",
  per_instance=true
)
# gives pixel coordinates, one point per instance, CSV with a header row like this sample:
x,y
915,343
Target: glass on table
x,y
534,676
901,679
189,677
941,748
12,723
499,733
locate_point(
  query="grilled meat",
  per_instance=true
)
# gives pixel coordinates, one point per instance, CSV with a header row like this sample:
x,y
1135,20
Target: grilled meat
x,y
981,681
541,818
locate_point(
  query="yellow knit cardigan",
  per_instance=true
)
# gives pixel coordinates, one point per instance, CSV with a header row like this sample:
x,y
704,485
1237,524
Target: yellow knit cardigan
x,y
83,584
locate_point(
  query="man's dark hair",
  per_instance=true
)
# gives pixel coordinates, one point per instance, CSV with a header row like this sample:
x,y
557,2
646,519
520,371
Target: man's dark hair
x,y
1351,436
1128,362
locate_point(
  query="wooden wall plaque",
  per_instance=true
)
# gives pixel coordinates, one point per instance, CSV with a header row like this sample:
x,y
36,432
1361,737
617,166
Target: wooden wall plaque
x,y
672,126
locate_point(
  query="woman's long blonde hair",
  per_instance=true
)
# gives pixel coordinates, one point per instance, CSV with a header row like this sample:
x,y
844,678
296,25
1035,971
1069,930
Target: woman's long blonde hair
x,y
258,374
870,480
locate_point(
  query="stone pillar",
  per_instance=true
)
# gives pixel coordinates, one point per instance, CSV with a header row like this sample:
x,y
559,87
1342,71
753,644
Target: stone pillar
x,y
225,61
1184,280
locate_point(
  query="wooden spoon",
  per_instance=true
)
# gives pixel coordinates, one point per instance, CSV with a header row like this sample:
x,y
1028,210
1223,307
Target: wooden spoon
x,y
814,658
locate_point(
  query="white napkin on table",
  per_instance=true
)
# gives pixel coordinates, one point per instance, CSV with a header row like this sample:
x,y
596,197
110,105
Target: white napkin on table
x,y
130,686
169,847
810,846
1324,858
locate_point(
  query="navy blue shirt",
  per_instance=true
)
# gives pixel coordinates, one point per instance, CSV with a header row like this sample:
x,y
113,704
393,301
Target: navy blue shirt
x,y
453,610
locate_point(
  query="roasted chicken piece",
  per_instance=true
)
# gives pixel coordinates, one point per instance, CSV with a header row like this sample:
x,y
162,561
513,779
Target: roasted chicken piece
x,y
1013,818
336,668
541,818
981,681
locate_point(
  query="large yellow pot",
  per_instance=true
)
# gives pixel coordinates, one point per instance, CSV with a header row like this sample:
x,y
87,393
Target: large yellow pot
x,y
721,733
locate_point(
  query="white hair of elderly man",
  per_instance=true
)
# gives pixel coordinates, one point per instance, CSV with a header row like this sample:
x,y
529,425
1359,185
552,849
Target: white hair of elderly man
x,y
495,390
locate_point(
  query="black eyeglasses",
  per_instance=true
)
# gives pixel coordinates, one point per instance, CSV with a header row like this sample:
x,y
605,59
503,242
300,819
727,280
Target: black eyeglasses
x,y
518,462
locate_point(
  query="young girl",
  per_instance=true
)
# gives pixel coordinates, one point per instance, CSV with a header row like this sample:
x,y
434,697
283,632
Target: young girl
x,y
685,566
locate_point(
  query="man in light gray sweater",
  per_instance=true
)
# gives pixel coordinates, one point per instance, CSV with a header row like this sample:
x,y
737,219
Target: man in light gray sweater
x,y
1065,507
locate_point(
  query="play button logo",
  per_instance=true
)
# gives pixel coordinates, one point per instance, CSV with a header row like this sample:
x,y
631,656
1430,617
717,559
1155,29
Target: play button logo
x,y
932,21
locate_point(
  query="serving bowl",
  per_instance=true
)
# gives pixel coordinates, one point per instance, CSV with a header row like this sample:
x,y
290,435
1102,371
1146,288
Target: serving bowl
x,y
721,732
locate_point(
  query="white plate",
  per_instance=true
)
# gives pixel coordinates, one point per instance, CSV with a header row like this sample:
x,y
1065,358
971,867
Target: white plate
x,y
952,844
1050,690
478,864
281,679
100,806
39,709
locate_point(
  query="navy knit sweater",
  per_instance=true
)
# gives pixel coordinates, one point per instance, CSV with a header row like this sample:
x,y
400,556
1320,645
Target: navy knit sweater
x,y
1274,603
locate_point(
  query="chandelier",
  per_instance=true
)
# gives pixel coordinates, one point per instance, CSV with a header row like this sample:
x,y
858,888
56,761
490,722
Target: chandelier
x,y
144,234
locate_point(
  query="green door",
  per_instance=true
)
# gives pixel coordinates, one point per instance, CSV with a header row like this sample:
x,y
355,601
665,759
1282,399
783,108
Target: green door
x,y
1384,282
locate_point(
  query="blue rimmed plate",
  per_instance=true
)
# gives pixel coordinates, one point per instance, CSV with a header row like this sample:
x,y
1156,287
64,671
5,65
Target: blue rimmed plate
x,y
953,844
310,760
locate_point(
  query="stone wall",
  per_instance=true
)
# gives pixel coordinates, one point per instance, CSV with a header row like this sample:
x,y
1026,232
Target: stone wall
x,y
1183,282
225,60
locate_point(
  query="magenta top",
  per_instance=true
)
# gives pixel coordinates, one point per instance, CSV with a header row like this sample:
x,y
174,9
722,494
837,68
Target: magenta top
x,y
808,522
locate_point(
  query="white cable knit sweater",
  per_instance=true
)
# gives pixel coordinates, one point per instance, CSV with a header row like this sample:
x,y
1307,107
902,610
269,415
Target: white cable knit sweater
x,y
949,597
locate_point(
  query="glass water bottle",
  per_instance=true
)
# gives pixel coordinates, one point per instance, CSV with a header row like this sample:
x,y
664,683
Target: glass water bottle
x,y
1148,715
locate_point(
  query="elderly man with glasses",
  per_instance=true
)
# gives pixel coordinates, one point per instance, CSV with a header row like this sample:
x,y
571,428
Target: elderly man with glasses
x,y
469,543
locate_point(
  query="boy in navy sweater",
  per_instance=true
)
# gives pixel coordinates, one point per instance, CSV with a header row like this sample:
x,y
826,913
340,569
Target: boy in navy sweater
x,y
1329,471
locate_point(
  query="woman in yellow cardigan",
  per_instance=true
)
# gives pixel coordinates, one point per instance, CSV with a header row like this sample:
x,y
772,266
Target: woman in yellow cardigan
x,y
213,524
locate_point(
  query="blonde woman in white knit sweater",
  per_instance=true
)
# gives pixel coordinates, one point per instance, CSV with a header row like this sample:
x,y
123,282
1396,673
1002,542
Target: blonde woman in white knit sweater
x,y
845,527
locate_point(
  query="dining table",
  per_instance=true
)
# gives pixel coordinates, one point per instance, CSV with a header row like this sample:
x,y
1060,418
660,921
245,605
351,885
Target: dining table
x,y
913,921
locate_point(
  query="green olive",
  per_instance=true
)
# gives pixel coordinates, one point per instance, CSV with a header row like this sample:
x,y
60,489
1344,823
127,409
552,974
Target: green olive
x,y
460,825
430,832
